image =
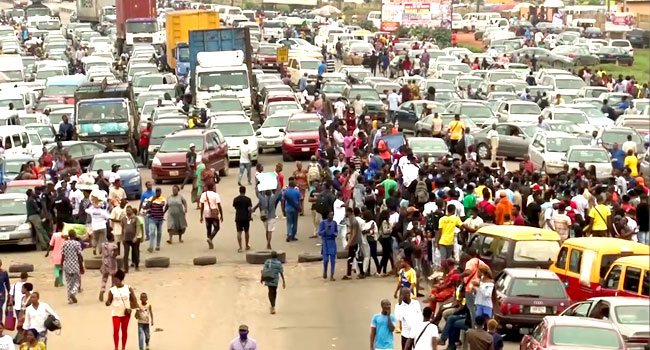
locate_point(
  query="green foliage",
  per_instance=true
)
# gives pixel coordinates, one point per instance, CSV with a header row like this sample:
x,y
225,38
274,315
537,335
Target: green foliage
x,y
442,37
421,32
402,32
367,25
250,6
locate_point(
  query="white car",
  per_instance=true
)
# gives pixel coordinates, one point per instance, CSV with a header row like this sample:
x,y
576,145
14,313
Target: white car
x,y
548,148
622,43
518,111
564,84
575,116
271,133
236,129
590,155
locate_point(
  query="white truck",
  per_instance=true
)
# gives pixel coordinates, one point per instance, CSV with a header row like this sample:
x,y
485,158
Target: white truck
x,y
93,11
222,73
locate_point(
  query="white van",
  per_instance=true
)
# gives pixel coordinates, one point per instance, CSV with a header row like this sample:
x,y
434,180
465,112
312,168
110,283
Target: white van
x,y
478,20
11,68
335,38
12,137
375,18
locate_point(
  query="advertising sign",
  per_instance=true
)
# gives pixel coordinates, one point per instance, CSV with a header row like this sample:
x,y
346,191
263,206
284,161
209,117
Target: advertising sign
x,y
396,13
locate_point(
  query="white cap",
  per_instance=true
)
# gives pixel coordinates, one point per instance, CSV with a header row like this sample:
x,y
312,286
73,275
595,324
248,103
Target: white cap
x,y
191,145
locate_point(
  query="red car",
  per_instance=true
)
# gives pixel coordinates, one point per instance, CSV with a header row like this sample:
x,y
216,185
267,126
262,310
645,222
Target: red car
x,y
526,296
169,162
21,186
267,56
300,135
573,333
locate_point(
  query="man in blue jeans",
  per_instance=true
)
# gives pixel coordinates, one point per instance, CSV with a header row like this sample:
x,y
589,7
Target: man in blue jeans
x,y
148,193
291,209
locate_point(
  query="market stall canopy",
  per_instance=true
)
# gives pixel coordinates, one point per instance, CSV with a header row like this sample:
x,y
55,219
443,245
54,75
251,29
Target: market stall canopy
x,y
553,3
326,11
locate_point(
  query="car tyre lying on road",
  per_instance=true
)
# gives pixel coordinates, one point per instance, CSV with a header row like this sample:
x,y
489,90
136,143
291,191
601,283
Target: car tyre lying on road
x,y
205,260
95,263
158,261
308,257
260,256
17,268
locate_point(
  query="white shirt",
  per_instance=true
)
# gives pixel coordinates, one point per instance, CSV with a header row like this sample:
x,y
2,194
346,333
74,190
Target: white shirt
x,y
98,217
111,176
460,209
429,208
75,198
35,318
410,315
339,109
493,135
339,210
17,293
393,101
582,203
629,145
245,154
428,333
6,343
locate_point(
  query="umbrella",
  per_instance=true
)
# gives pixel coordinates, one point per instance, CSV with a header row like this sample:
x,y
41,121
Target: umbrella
x,y
326,11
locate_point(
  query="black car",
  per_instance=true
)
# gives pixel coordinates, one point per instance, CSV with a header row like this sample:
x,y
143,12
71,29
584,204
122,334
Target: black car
x,y
638,37
82,151
548,27
592,33
613,54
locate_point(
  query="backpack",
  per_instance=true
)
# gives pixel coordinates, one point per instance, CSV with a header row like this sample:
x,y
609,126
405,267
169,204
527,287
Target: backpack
x,y
431,222
323,204
267,272
421,192
313,172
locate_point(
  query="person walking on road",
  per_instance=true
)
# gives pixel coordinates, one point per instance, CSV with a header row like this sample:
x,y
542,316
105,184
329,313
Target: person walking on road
x,y
291,209
5,288
190,165
156,214
122,300
243,209
211,212
425,334
109,264
36,314
245,162
300,175
243,342
56,243
268,203
354,243
133,234
144,315
328,230
271,273
34,217
493,136
72,262
98,218
382,327
176,209
144,204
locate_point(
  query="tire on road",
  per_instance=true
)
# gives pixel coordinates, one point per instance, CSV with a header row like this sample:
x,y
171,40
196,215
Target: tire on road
x,y
343,254
205,260
18,268
93,263
308,257
157,261
258,257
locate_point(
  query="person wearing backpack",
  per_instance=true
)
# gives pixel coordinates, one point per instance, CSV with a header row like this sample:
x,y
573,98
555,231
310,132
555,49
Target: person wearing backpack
x,y
313,171
325,200
421,191
271,272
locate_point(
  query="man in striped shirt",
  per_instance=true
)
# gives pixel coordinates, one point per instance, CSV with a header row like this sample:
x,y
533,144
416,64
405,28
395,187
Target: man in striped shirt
x,y
156,216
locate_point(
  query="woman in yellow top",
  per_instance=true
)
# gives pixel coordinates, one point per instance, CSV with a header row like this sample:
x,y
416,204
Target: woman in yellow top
x,y
632,162
31,341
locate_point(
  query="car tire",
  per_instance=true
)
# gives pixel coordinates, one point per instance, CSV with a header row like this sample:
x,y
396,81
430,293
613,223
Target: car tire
x,y
258,257
157,181
308,257
19,268
157,261
278,149
224,171
205,260
483,151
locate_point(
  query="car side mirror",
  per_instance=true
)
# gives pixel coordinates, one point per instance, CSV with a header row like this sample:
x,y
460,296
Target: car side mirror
x,y
281,130
564,158
258,133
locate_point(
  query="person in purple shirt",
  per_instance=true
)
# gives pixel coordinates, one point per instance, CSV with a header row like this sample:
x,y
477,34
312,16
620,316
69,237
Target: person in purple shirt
x,y
291,208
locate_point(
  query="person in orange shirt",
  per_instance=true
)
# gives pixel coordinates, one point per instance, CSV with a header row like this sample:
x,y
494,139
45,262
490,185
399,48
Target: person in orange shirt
x,y
504,206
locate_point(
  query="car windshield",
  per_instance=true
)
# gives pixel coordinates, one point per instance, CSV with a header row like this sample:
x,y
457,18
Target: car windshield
x,y
226,105
620,43
273,108
569,83
106,163
579,336
267,50
474,83
496,76
312,65
276,122
160,131
233,80
35,140
476,111
141,27
180,144
273,24
577,118
43,130
561,144
333,88
524,109
536,250
565,127
311,124
430,145
146,80
612,137
104,111
44,74
592,112
632,314
235,129
18,103
12,206
544,288
13,166
589,156
366,94
502,88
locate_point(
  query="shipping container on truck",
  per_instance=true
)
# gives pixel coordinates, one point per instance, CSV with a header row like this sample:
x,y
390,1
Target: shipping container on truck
x,y
225,39
91,10
178,26
131,9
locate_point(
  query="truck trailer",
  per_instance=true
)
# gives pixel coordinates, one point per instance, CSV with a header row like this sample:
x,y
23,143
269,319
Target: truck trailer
x,y
178,26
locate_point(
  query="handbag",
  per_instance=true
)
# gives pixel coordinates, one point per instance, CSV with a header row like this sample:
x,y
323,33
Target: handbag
x,y
51,323
10,319
214,212
127,311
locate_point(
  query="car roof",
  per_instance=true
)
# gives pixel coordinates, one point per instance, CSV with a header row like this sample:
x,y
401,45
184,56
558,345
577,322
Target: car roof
x,y
12,196
580,321
563,109
189,132
639,260
230,119
113,154
20,183
621,300
520,233
430,139
608,243
170,121
536,273
554,134
303,115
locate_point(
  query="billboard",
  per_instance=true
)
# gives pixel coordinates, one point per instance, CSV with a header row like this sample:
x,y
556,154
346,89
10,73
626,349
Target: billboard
x,y
396,13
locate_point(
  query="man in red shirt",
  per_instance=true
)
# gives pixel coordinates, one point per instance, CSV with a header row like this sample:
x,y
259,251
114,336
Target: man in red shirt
x,y
145,135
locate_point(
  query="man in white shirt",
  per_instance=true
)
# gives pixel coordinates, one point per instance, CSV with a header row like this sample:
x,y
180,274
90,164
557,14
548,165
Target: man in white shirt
x,y
339,218
112,175
408,314
393,102
339,108
629,145
75,197
425,333
244,162
16,293
493,136
98,218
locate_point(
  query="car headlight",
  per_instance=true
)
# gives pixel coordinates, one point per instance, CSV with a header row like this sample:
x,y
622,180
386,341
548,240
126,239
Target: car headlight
x,y
288,141
134,180
156,162
24,227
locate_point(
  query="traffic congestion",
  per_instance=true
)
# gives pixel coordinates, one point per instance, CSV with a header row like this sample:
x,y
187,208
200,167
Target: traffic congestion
x,y
490,158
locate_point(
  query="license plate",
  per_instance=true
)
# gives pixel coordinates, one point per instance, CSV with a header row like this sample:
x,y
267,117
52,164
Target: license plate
x,y
538,309
305,149
173,173
270,143
4,236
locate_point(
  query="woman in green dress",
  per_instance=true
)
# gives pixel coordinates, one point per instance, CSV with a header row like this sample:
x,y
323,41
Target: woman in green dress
x,y
176,210
197,189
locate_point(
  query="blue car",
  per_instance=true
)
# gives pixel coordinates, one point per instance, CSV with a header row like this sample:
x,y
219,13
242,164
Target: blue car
x,y
129,170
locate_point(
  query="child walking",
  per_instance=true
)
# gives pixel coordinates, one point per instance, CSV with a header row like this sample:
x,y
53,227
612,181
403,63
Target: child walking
x,y
144,315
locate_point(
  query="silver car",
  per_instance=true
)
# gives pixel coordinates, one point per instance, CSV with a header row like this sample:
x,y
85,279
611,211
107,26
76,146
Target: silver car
x,y
14,228
271,133
590,155
548,148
